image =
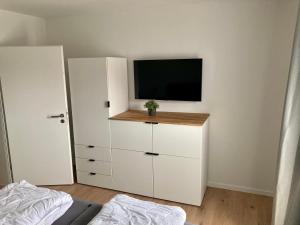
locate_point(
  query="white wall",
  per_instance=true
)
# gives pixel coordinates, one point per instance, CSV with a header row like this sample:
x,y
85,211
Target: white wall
x,y
16,29
244,77
19,29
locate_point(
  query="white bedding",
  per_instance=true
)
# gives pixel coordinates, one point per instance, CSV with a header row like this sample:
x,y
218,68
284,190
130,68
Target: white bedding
x,y
124,210
25,204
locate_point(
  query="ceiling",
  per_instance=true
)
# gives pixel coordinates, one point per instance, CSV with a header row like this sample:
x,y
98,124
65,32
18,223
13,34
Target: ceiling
x,y
56,8
48,8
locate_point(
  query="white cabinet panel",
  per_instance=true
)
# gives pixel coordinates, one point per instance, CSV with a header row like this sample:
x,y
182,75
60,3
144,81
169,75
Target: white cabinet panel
x,y
89,93
94,179
132,172
117,85
96,153
177,140
177,179
95,166
131,135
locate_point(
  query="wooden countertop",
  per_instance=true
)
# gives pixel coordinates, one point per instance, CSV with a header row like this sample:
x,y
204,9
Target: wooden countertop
x,y
193,119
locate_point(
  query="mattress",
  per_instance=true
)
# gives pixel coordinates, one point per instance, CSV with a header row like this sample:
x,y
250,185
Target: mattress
x,y
81,213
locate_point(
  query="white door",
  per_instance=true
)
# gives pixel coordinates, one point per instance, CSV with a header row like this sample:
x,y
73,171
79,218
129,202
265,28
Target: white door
x,y
89,94
34,95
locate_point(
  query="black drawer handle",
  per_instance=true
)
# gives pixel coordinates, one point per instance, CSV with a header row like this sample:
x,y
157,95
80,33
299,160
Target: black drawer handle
x,y
92,160
151,122
91,146
151,153
92,174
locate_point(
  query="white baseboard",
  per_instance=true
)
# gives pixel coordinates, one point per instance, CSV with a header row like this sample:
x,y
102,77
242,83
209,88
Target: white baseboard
x,y
241,188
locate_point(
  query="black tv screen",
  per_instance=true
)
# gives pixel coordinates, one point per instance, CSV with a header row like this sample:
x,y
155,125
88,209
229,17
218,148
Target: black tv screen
x,y
168,79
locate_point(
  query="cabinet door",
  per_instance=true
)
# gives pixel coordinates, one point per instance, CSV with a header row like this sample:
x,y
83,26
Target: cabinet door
x,y
88,83
177,140
117,85
131,135
177,179
132,172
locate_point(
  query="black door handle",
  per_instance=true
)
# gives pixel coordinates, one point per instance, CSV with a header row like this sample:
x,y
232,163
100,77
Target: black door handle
x,y
92,174
56,116
92,160
91,146
151,153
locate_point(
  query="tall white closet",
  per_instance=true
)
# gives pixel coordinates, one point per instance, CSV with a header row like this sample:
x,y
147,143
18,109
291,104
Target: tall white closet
x,y
99,90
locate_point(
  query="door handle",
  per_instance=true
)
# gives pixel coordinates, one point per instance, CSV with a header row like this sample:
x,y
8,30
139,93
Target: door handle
x,y
151,122
151,153
56,116
91,146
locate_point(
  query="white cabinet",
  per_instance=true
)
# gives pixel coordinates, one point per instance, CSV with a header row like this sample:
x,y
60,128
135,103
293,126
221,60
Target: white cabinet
x,y
132,172
166,161
182,162
99,90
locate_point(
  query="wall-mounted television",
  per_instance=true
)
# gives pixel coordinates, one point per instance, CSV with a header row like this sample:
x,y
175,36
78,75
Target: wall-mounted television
x,y
168,79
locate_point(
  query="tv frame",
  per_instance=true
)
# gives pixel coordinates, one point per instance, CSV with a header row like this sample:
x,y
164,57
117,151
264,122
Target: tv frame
x,y
135,80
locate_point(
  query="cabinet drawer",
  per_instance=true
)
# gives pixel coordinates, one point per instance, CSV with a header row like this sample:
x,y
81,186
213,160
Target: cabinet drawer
x,y
94,180
96,153
177,140
101,167
131,135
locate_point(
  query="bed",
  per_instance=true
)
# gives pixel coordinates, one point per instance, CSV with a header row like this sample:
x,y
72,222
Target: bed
x,y
81,213
25,204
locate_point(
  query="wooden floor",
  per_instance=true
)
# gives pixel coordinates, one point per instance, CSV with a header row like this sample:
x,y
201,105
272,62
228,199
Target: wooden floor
x,y
220,207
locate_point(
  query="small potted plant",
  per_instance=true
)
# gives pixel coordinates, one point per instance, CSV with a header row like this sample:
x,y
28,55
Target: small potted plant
x,y
151,106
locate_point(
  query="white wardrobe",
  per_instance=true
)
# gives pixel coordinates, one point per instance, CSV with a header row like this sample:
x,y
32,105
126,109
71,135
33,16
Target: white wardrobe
x,y
99,90
127,150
